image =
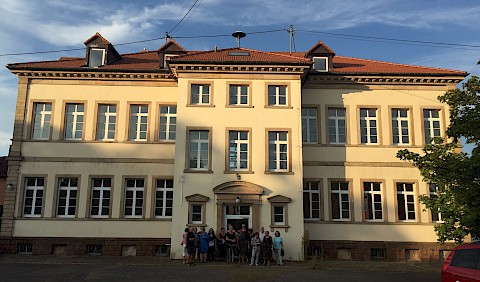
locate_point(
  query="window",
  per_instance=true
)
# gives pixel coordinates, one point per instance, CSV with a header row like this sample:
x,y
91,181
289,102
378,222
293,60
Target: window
x,y
101,191
24,248
196,213
278,215
96,58
168,123
42,116
431,124
166,60
400,126
405,201
278,151
106,122
466,258
372,201
32,206
433,188
138,123
238,95
337,126
340,200
200,94
67,197
94,250
277,95
164,198
309,126
311,200
199,150
74,121
368,126
134,197
238,150
320,64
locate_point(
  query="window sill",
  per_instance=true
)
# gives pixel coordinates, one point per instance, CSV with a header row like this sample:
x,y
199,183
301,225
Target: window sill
x,y
196,225
238,172
197,171
280,172
200,106
239,106
274,226
278,107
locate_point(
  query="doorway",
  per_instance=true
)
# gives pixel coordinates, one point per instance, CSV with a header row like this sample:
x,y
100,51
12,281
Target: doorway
x,y
237,215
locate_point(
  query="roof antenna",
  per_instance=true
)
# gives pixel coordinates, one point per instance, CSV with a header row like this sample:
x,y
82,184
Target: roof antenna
x,y
167,37
238,35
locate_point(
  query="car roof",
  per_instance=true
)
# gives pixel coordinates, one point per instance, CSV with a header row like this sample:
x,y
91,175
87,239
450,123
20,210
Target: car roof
x,y
475,245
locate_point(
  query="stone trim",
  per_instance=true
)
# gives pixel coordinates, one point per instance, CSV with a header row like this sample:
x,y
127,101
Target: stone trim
x,y
97,160
92,75
238,187
176,68
363,164
384,79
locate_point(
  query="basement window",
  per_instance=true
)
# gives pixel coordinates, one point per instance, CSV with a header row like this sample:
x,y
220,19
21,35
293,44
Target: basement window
x,y
320,64
96,57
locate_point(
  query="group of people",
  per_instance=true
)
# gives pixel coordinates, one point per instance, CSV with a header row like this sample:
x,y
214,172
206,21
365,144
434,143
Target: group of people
x,y
234,246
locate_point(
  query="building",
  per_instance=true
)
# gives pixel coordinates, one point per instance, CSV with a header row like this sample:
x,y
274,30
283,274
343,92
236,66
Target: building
x,y
3,184
117,154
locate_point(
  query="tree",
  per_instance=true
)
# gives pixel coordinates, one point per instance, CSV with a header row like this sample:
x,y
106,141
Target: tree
x,y
456,174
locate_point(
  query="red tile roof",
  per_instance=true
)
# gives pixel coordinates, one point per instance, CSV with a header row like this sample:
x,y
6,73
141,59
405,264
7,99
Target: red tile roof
x,y
149,62
95,36
235,55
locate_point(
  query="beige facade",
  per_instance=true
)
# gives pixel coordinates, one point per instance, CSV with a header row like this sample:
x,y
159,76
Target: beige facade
x,y
238,153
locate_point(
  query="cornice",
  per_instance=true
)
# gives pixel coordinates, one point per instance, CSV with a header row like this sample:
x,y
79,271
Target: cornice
x,y
131,76
385,79
296,69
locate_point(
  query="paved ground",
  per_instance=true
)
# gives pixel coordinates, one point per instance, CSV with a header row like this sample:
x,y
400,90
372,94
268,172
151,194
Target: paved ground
x,y
51,268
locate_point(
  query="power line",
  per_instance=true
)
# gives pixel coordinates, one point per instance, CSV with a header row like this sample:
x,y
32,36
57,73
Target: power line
x,y
184,16
395,40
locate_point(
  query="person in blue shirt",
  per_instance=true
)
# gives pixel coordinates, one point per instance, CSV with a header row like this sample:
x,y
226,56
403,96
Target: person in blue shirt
x,y
277,247
203,239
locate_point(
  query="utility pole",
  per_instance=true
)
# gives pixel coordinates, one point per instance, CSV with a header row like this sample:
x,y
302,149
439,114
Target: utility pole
x,y
166,37
291,38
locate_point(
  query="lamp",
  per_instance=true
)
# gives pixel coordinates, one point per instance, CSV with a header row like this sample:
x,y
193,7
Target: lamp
x,y
9,187
237,200
239,176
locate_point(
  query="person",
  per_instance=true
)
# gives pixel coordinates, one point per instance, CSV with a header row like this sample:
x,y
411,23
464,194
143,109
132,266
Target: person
x,y
222,246
277,247
203,239
248,238
191,247
211,245
197,254
267,248
255,244
262,234
231,239
242,246
184,245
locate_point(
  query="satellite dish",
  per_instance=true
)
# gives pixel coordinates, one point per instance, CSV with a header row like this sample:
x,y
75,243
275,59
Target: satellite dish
x,y
238,35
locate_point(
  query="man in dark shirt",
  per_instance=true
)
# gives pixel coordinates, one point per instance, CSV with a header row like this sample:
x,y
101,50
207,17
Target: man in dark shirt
x,y
191,247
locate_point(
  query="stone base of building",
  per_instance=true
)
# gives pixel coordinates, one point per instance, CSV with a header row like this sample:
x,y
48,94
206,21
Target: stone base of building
x,y
86,246
368,250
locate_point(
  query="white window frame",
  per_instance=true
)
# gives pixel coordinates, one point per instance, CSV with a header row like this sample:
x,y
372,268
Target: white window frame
x,y
371,193
309,122
43,124
101,189
405,195
236,144
276,155
137,117
282,214
429,122
277,95
340,192
107,116
367,119
198,155
165,60
235,90
169,126
76,114
200,94
307,189
90,53
336,120
134,191
433,193
324,61
163,199
192,205
36,188
399,128
69,188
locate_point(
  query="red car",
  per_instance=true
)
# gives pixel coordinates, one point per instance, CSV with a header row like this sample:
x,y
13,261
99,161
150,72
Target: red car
x,y
463,264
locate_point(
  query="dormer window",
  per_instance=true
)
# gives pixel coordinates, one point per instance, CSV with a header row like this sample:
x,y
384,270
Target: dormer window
x,y
320,64
166,58
96,57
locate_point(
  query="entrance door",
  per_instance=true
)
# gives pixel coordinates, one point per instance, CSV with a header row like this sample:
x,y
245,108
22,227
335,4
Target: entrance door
x,y
237,215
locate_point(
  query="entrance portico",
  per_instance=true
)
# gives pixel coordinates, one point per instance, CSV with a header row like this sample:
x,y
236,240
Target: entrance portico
x,y
238,202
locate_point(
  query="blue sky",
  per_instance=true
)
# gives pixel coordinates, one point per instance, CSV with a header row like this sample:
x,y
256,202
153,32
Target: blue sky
x,y
31,25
